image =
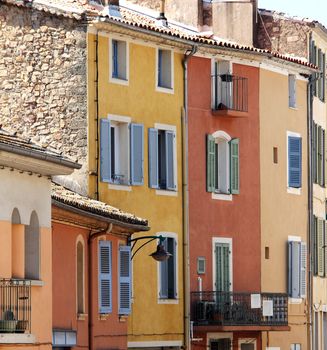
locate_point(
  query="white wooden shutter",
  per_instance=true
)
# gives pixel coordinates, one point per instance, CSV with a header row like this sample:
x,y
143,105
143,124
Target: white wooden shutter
x,y
105,277
294,269
125,280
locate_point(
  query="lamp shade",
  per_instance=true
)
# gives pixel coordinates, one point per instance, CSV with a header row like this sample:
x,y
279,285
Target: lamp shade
x,y
161,254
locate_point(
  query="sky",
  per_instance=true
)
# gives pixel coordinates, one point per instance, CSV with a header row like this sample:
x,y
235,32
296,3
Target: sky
x,y
313,9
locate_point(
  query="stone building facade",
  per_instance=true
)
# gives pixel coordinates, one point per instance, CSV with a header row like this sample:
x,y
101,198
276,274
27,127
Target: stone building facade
x,y
43,80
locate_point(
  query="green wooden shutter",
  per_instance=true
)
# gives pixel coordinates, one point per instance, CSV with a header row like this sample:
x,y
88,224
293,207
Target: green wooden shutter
x,y
315,246
321,255
234,166
315,152
211,161
222,252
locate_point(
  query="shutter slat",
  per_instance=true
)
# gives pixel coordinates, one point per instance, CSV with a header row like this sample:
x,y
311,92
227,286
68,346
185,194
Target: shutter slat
x,y
153,158
125,280
105,165
170,177
294,161
234,166
211,163
137,154
105,277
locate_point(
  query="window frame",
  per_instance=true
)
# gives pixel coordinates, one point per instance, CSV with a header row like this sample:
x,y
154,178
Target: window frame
x,y
247,341
80,240
112,79
292,91
176,299
172,73
214,72
293,190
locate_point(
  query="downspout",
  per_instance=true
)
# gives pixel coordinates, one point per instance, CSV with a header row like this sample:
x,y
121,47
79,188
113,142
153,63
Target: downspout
x,y
90,239
96,100
186,265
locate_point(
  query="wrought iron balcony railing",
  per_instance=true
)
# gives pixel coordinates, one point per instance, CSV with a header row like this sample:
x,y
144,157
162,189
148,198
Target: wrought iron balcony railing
x,y
230,92
235,309
15,306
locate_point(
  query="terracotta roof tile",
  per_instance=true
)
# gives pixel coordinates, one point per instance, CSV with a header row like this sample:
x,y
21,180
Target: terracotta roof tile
x,y
73,199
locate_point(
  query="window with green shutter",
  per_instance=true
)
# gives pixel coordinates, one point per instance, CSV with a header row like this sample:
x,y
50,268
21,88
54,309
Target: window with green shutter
x,y
222,266
234,166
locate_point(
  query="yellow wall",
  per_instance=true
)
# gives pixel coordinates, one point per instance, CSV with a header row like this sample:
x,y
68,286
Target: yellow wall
x,y
282,213
139,100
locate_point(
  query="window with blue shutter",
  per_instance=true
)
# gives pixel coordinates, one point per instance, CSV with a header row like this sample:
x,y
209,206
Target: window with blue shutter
x,y
294,161
168,288
170,176
137,154
125,280
105,146
114,58
160,67
119,59
105,277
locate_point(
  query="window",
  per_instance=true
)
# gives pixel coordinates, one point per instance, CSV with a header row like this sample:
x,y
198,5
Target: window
x,y
124,280
297,256
168,271
17,259
201,265
32,248
292,91
294,161
119,61
162,159
121,152
221,344
223,265
222,164
318,155
318,58
80,277
295,346
105,277
165,69
319,242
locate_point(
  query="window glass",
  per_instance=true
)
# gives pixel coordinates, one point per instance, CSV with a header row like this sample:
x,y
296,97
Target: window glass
x,y
119,60
164,69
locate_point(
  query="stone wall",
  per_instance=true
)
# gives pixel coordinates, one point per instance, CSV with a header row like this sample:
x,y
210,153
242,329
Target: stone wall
x,y
285,35
43,82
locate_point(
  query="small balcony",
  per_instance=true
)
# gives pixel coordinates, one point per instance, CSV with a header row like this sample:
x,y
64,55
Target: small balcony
x,y
230,93
256,311
15,306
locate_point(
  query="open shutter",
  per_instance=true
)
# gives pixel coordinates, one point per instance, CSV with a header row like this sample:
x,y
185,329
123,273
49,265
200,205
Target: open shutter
x,y
303,276
325,244
294,256
211,161
153,158
323,140
105,165
114,58
315,247
323,77
125,280
226,277
315,152
105,280
319,158
170,177
234,166
137,154
321,250
164,275
294,161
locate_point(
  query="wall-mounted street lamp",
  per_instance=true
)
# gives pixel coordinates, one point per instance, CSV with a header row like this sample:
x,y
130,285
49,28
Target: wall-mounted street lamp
x,y
159,255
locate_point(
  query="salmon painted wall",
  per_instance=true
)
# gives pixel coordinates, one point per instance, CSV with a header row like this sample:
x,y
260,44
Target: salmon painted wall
x,y
107,330
238,219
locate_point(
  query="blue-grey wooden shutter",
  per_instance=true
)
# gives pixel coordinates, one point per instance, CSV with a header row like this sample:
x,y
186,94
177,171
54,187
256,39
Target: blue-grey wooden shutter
x,y
125,280
164,275
323,77
137,154
105,277
294,263
159,67
153,158
114,58
294,161
170,175
303,276
321,249
315,152
105,165
315,245
234,166
211,163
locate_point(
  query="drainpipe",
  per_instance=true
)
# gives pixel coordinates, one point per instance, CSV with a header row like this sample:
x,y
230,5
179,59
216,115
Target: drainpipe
x,y
96,100
186,265
90,239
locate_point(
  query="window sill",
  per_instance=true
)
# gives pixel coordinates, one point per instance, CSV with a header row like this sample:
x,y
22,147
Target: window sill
x,y
103,317
222,196
294,108
81,317
165,90
293,190
166,193
168,301
295,300
119,81
15,338
230,113
34,283
120,187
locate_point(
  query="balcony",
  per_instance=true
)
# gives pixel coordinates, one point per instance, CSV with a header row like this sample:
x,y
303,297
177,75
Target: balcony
x,y
232,310
15,306
230,94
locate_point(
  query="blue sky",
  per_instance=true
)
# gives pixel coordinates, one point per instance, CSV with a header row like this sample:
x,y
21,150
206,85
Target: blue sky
x,y
314,9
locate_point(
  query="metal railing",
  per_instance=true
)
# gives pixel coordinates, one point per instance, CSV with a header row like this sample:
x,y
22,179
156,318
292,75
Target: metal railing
x,y
230,92
235,309
15,306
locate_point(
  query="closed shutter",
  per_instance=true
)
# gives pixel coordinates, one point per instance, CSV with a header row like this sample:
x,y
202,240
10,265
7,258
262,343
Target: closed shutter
x,y
291,90
125,280
105,165
114,58
153,158
303,276
164,274
137,154
294,257
320,79
211,163
319,151
222,267
234,166
315,247
323,140
323,77
315,152
294,161
314,61
105,278
170,176
321,250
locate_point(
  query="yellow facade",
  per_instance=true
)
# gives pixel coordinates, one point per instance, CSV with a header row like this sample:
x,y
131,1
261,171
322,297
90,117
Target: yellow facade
x,y
283,213
151,319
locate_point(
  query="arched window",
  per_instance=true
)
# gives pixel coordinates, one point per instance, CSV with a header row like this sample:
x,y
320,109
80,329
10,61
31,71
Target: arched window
x,y
32,248
17,245
80,277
